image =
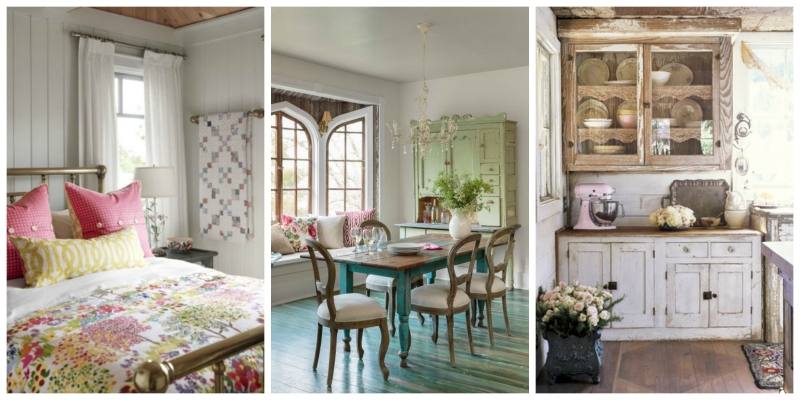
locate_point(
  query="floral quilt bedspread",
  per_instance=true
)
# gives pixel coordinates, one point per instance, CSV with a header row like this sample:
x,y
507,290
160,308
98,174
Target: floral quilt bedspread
x,y
95,343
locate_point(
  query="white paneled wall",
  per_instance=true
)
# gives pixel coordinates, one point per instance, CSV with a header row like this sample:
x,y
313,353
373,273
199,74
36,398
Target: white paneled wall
x,y
224,75
41,125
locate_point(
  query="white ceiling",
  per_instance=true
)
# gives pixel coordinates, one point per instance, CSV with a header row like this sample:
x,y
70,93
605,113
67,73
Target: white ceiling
x,y
385,43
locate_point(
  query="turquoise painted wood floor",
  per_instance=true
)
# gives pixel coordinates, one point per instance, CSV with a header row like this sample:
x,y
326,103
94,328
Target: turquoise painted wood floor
x,y
502,368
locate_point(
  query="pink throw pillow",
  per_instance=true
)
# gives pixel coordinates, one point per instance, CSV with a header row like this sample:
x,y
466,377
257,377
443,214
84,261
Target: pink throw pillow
x,y
354,219
298,229
28,217
96,214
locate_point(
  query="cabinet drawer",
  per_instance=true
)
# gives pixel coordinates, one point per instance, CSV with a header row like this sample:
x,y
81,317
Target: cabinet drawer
x,y
687,250
493,180
731,249
490,168
495,191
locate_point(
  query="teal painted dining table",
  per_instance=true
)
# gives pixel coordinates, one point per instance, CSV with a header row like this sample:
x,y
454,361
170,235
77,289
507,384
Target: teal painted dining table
x,y
404,269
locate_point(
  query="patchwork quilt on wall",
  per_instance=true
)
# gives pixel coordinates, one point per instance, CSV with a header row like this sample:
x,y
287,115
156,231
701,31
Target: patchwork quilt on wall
x,y
226,165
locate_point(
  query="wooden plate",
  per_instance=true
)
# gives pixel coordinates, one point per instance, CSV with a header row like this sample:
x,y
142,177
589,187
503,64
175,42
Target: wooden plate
x,y
679,74
685,111
593,71
626,70
591,108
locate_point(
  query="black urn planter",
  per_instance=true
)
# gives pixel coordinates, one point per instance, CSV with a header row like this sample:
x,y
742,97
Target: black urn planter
x,y
573,357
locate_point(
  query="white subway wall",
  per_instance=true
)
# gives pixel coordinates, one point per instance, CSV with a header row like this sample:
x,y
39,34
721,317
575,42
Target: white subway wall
x,y
222,74
479,94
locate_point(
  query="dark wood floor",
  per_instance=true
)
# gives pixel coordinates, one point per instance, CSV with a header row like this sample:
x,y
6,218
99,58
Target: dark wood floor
x,y
502,368
668,367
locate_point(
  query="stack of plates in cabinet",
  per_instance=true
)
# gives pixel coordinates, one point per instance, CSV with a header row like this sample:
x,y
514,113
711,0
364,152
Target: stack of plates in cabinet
x,y
405,249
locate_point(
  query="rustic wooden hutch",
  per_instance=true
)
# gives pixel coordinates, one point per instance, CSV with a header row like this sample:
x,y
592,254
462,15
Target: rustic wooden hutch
x,y
608,72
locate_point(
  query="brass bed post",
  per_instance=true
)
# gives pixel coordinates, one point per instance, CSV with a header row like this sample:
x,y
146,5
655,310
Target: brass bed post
x,y
71,174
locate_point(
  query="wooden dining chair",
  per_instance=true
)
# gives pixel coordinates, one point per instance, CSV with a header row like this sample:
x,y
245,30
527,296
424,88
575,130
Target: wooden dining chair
x,y
385,284
448,299
487,285
344,311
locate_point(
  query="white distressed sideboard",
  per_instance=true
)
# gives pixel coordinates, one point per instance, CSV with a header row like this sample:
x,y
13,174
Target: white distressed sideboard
x,y
693,284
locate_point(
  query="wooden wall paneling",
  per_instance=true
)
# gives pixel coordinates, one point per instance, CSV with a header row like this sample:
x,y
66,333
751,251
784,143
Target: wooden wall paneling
x,y
20,153
56,130
39,83
725,100
626,28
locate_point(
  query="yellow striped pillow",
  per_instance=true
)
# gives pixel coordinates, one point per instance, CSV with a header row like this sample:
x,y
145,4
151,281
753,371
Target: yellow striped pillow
x,y
48,261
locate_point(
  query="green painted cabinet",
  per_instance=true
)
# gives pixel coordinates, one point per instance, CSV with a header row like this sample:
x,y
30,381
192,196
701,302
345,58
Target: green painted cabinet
x,y
485,147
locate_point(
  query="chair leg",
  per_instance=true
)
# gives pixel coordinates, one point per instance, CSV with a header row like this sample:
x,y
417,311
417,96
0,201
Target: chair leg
x,y
505,316
435,335
474,305
386,301
360,348
393,309
368,292
421,318
489,318
332,356
319,343
469,331
450,344
383,349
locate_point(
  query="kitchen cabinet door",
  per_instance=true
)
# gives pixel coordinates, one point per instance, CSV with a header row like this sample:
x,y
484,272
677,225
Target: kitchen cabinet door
x,y
632,274
686,307
463,153
491,144
429,165
730,288
491,215
589,263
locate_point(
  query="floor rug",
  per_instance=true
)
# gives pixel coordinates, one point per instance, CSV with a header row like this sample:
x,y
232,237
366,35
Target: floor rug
x,y
766,363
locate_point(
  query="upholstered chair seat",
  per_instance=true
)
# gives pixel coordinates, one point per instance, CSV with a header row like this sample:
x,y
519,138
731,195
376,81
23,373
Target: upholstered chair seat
x,y
435,296
380,283
352,307
478,285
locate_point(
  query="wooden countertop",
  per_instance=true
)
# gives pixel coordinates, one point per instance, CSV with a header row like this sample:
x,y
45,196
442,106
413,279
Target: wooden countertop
x,y
654,231
444,227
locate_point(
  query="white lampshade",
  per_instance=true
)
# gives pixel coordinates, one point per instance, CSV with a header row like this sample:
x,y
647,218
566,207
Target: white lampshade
x,y
157,181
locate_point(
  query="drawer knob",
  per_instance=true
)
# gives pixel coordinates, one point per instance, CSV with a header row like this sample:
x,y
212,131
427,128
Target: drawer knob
x,y
685,249
731,249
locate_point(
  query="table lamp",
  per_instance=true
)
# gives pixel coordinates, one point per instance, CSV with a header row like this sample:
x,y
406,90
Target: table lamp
x,y
157,182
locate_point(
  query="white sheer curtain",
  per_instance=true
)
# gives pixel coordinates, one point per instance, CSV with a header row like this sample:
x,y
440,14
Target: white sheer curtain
x,y
164,132
97,121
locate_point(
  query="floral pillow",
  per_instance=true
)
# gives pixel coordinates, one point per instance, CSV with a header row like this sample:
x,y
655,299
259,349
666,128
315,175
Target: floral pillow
x,y
298,229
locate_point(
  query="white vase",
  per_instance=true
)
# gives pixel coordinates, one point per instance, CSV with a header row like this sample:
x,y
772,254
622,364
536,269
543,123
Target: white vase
x,y
736,218
460,226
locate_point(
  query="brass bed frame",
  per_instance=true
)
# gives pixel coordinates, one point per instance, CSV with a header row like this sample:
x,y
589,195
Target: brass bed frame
x,y
154,375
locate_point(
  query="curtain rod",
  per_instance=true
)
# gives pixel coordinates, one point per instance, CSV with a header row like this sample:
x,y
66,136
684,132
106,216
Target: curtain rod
x,y
103,39
258,113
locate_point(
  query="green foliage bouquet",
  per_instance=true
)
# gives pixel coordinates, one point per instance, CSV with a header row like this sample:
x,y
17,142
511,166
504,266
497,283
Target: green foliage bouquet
x,y
460,192
575,310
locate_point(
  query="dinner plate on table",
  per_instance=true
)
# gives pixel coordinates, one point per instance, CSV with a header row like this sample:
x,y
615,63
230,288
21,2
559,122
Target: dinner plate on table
x,y
405,249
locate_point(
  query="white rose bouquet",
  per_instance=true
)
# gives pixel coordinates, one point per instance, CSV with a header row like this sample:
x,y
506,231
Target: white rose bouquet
x,y
575,309
673,218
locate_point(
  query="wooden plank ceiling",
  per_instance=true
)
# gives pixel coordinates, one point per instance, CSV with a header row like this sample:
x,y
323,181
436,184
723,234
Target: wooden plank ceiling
x,y
754,19
173,17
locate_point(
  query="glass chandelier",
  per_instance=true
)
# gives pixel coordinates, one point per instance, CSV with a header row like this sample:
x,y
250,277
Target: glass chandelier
x,y
421,136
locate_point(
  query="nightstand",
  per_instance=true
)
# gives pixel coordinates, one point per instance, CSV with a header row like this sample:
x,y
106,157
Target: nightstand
x,y
197,256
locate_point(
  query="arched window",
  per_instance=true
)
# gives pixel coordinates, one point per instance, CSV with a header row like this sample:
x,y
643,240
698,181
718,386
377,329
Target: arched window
x,y
291,160
345,167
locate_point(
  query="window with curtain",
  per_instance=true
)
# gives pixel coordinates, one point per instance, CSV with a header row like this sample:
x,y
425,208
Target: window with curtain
x,y
131,142
345,165
291,163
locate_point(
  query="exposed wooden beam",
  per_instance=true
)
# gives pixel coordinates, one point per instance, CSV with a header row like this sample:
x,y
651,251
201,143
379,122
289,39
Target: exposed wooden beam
x,y
173,17
629,27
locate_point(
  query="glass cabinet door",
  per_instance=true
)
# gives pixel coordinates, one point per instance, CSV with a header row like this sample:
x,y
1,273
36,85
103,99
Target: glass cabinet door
x,y
607,108
683,109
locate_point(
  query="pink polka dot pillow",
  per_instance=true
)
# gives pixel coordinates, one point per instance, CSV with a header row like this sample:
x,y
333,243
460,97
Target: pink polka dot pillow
x,y
28,217
96,214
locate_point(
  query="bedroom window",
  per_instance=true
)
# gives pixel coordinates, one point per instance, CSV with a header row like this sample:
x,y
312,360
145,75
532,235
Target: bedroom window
x,y
291,167
131,144
345,165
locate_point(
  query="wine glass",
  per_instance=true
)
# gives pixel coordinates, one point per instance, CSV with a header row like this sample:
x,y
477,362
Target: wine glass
x,y
381,240
356,234
369,238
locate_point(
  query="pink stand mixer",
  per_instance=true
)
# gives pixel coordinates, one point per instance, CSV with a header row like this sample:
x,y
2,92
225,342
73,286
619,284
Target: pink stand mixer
x,y
598,211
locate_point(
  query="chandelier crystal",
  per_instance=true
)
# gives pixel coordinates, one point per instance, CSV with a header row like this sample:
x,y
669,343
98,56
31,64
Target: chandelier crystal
x,y
421,137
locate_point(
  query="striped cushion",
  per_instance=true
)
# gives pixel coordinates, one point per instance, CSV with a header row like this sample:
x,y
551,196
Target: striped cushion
x,y
28,217
48,261
354,219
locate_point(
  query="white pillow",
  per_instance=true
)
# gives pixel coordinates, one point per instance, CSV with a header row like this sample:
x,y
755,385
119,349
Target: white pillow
x,y
330,231
62,224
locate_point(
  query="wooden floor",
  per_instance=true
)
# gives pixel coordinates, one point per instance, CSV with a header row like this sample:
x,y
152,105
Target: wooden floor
x,y
667,367
502,368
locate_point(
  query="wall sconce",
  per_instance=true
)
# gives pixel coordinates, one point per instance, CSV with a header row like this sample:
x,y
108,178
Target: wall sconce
x,y
323,124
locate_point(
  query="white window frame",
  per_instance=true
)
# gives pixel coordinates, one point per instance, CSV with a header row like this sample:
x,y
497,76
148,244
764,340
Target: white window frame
x,y
319,151
553,205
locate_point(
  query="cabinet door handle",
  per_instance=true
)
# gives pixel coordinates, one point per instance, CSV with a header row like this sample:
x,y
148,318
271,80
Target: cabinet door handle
x,y
570,143
611,285
707,295
718,143
731,249
686,249
714,295
646,104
